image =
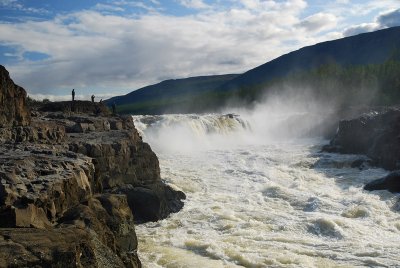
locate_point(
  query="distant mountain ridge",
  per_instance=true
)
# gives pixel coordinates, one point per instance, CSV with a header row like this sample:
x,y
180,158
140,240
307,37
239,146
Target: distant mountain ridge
x,y
362,49
207,93
160,97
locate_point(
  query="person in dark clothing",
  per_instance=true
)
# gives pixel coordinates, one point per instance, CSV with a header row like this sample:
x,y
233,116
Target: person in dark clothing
x,y
114,108
73,94
93,98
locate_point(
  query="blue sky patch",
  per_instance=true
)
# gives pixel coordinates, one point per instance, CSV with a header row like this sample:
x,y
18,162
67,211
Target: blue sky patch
x,y
34,56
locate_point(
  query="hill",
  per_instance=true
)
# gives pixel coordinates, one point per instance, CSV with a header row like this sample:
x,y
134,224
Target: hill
x,y
173,95
350,69
367,48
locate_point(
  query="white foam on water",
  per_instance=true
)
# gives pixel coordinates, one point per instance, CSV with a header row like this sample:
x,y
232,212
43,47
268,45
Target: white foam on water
x,y
263,203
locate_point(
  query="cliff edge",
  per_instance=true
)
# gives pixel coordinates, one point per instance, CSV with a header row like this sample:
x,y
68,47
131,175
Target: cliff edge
x,y
73,184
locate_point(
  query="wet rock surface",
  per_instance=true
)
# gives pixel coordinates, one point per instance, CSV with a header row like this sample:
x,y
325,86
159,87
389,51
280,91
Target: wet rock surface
x,y
71,188
377,135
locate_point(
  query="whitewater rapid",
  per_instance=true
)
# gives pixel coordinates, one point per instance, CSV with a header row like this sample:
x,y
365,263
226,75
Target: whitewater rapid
x,y
254,201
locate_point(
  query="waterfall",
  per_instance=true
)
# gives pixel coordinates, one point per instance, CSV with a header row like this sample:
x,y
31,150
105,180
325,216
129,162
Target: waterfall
x,y
198,125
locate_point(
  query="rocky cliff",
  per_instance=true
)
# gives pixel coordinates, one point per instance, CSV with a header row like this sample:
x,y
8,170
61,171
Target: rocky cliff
x,y
377,135
73,184
13,110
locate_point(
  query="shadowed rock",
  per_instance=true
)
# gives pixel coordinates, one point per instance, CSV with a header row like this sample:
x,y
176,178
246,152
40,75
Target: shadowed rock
x,y
375,134
29,247
391,183
14,111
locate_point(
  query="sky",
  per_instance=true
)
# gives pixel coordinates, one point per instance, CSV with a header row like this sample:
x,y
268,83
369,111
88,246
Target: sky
x,y
110,48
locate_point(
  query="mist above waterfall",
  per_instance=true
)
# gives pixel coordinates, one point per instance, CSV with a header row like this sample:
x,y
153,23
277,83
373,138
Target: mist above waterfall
x,y
277,118
289,114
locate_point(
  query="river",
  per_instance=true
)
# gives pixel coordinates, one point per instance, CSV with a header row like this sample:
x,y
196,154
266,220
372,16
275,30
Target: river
x,y
259,197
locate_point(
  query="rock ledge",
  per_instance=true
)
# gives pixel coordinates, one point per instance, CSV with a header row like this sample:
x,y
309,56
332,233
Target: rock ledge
x,y
72,184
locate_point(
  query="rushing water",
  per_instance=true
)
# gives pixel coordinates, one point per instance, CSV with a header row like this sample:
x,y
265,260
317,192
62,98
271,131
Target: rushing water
x,y
254,200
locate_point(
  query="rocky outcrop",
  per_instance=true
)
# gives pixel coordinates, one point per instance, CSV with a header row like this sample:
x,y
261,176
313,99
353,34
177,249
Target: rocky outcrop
x,y
52,193
110,220
14,111
377,135
71,187
61,247
151,202
123,163
38,184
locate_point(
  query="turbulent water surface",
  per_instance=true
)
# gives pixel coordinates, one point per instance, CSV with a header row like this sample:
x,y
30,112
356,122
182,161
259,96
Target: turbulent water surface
x,y
259,200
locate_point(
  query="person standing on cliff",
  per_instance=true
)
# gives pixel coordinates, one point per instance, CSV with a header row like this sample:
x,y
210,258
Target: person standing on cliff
x,y
114,109
73,94
93,98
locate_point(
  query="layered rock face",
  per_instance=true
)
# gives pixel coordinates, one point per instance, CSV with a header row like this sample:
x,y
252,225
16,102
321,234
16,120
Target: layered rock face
x,y
72,185
39,183
377,135
13,110
123,163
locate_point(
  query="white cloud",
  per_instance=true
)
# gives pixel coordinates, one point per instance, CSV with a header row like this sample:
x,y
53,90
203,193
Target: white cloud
x,y
389,19
384,20
342,1
196,4
252,4
319,22
16,5
361,28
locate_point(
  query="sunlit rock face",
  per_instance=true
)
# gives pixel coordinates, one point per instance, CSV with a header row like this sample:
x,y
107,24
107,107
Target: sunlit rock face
x,y
13,110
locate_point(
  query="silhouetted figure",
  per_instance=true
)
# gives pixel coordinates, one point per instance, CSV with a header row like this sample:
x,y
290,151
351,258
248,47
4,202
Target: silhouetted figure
x,y
73,94
93,98
114,109
97,110
101,101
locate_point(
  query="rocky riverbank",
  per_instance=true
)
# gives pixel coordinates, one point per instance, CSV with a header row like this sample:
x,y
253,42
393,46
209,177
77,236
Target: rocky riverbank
x,y
377,135
72,184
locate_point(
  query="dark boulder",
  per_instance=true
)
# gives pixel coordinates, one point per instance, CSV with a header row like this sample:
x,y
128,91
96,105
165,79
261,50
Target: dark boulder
x,y
362,163
391,183
153,202
145,204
